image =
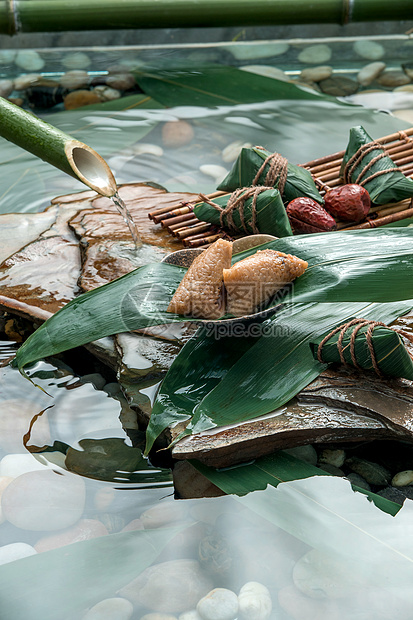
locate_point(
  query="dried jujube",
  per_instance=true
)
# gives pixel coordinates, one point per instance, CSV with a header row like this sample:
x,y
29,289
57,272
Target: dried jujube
x,y
349,203
307,216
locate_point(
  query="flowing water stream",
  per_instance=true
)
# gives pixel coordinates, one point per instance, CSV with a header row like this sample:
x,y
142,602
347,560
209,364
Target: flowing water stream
x,y
128,219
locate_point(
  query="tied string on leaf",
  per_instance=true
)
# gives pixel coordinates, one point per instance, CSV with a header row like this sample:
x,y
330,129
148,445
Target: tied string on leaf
x,y
358,323
358,156
236,202
277,171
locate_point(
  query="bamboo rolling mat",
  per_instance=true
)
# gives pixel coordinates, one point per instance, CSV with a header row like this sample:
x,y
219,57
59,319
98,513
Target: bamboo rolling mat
x,y
181,222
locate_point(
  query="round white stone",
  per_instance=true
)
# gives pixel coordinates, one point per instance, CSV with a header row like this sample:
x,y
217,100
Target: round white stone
x,y
151,149
190,615
247,51
219,604
75,79
44,500
6,89
29,60
266,71
110,609
107,94
370,72
403,478
316,74
315,54
14,465
214,171
333,457
157,616
25,81
231,152
7,56
254,601
369,49
77,60
15,551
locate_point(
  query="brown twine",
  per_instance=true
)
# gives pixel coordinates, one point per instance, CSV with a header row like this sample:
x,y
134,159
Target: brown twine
x,y
277,171
403,137
236,202
359,323
356,159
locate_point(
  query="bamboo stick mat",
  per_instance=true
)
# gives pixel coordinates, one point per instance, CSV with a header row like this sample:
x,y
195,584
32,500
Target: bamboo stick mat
x,y
181,222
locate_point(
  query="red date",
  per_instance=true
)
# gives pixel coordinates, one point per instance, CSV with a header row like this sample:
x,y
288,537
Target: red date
x,y
307,216
349,203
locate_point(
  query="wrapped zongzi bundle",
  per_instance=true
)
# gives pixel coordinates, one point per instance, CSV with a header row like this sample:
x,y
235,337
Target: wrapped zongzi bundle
x,y
257,166
367,164
366,345
250,210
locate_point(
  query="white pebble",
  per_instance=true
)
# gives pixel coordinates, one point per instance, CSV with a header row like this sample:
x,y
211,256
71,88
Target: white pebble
x,y
214,171
77,60
151,149
7,56
231,151
157,616
15,465
106,93
266,71
315,54
403,478
75,79
110,609
248,51
44,500
219,604
29,60
332,457
369,73
25,81
15,551
254,601
190,615
6,88
369,49
316,74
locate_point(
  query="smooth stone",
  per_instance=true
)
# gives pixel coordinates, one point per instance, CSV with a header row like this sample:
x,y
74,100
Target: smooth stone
x,y
266,71
77,60
44,500
232,150
369,49
405,115
79,98
315,54
156,616
15,551
135,524
95,379
316,74
392,494
104,498
358,481
29,60
392,79
121,81
219,604
150,149
15,420
332,457
190,615
339,86
110,609
4,482
370,72
6,88
406,88
106,93
303,453
406,491
85,529
17,101
373,473
321,575
75,79
169,587
254,601
245,51
214,171
403,478
177,133
15,465
7,56
163,515
25,81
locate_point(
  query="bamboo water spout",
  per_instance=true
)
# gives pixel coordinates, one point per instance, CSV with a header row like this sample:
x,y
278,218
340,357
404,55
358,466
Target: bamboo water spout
x,y
55,147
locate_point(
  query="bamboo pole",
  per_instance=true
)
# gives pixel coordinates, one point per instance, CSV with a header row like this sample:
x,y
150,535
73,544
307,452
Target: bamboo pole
x,y
61,15
55,147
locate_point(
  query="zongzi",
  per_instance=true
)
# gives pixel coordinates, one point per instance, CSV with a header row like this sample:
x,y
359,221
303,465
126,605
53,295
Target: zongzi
x,y
255,279
199,293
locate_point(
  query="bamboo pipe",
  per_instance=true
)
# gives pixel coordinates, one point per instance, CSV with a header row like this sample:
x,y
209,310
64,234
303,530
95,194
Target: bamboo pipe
x,y
56,148
61,15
